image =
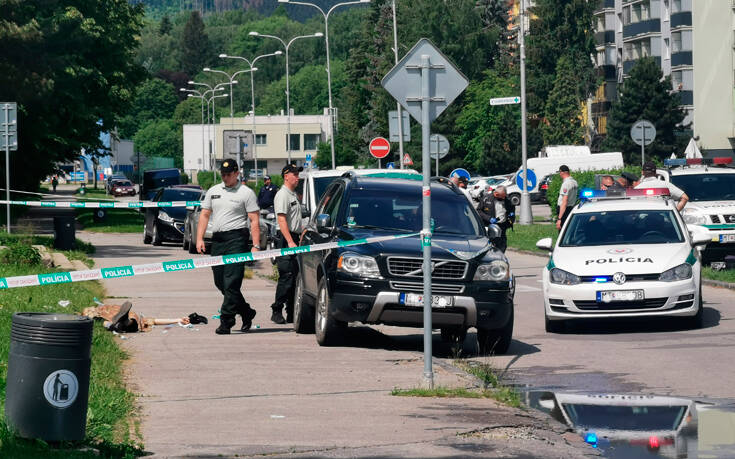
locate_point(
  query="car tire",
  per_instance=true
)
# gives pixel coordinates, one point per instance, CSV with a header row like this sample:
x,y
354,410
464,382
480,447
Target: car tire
x,y
146,239
156,238
554,326
696,321
515,199
303,309
495,341
185,240
328,330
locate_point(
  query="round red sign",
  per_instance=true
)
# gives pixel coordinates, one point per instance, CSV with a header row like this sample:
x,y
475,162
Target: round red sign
x,y
379,147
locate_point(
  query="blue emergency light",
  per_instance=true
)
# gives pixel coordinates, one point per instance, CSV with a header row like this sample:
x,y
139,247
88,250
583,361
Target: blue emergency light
x,y
589,194
591,439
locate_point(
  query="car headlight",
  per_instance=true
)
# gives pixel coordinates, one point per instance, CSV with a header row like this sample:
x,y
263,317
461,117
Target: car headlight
x,y
358,265
559,276
163,216
496,270
681,272
118,190
693,218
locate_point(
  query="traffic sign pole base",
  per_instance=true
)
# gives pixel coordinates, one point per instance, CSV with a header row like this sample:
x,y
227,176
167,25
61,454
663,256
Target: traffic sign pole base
x,y
526,214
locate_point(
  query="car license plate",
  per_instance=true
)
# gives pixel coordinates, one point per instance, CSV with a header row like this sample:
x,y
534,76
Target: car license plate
x,y
727,238
416,299
609,296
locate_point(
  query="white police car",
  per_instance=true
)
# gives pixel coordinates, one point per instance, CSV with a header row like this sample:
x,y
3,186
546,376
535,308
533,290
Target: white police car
x,y
710,211
623,255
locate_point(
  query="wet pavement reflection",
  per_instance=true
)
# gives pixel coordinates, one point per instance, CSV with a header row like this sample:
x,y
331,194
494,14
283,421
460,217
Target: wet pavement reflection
x,y
631,426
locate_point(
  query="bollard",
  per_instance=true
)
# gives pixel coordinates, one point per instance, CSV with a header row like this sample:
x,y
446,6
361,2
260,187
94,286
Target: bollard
x,y
48,376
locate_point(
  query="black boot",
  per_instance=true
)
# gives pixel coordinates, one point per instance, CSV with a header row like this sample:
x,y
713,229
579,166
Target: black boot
x,y
225,323
247,313
277,316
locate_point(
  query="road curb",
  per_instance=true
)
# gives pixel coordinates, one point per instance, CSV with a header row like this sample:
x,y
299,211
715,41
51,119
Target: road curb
x,y
708,282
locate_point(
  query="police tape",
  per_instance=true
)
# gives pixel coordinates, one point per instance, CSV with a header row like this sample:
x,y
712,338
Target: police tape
x,y
103,205
179,265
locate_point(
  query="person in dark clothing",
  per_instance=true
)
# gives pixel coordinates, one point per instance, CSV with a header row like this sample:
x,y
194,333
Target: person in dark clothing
x,y
494,209
267,194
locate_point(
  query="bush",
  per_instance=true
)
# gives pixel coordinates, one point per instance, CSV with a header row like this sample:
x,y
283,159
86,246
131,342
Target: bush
x,y
585,179
206,179
184,178
19,254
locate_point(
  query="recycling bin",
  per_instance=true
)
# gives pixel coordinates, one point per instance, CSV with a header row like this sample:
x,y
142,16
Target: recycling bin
x,y
64,232
48,376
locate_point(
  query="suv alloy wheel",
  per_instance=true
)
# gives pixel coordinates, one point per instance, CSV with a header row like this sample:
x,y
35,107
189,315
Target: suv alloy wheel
x,y
303,311
329,331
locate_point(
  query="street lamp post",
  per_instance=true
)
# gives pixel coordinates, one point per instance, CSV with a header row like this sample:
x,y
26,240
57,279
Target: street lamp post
x,y
251,64
213,146
198,95
286,46
329,73
214,130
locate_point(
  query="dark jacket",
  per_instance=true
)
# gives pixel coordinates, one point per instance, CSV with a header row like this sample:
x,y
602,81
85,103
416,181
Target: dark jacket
x,y
486,209
266,195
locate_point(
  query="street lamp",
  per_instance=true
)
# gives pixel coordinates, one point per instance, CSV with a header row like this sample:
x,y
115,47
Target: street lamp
x,y
251,64
288,91
197,94
210,89
329,73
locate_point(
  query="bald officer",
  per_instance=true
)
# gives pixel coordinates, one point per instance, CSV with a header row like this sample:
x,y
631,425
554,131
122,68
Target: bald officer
x,y
288,211
230,204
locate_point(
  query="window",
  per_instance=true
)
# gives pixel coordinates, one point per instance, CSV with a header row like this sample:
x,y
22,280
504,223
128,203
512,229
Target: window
x,y
626,15
622,227
295,143
645,11
635,14
675,42
601,23
260,139
628,52
645,48
667,51
676,80
675,6
311,141
600,57
665,11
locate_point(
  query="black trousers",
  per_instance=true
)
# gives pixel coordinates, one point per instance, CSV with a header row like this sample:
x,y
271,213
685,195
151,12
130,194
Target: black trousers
x,y
228,278
564,217
288,268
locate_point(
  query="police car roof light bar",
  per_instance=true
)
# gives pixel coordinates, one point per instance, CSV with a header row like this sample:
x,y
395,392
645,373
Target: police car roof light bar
x,y
589,194
720,160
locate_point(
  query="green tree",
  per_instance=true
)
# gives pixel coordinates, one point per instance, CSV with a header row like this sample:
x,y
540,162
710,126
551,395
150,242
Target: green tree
x,y
491,135
646,95
189,112
309,94
70,68
161,138
164,28
563,124
195,49
154,100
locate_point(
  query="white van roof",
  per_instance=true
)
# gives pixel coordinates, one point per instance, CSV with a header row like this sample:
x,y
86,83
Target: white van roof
x,y
564,151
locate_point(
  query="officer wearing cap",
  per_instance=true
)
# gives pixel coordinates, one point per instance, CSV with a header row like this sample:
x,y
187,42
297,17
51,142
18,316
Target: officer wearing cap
x,y
288,211
230,204
267,193
649,180
567,196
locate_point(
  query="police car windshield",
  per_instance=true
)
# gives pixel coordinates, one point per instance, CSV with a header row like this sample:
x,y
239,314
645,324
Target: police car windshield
x,y
393,210
636,418
622,227
707,187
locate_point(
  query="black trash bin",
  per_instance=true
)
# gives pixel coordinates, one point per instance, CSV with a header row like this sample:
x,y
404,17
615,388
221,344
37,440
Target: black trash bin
x,y
48,376
65,232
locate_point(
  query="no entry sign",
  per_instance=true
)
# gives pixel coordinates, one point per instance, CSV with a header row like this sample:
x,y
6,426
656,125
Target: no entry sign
x,y
379,147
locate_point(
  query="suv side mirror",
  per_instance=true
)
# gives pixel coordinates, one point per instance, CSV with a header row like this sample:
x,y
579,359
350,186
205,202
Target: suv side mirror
x,y
323,222
544,244
304,211
494,231
701,239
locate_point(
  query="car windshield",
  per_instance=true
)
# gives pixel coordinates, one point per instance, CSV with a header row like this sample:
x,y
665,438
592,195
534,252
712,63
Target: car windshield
x,y
123,183
707,187
180,195
393,210
622,227
639,418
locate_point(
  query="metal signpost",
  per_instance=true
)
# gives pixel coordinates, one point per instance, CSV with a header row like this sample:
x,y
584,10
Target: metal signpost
x,y
440,82
439,148
9,123
393,128
643,133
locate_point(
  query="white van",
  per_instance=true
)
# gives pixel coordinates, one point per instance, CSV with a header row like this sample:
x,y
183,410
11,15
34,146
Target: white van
x,y
542,167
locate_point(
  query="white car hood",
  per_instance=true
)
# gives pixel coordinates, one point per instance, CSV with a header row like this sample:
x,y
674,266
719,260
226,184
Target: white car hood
x,y
712,207
628,259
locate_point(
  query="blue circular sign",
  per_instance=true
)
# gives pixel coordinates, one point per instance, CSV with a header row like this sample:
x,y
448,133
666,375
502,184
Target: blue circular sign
x,y
531,180
460,173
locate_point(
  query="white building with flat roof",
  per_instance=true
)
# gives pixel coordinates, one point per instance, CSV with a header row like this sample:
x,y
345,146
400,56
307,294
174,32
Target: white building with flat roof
x,y
206,146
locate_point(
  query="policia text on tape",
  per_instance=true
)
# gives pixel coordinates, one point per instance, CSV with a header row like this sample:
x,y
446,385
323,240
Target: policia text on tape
x,y
103,205
178,265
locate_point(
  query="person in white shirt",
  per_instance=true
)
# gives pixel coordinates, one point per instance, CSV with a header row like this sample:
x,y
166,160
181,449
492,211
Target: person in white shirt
x,y
649,180
567,196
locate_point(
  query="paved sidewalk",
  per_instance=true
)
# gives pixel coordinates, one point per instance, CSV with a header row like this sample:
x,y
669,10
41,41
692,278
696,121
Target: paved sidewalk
x,y
273,392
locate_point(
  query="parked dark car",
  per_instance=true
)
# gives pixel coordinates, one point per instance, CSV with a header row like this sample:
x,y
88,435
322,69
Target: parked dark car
x,y
382,283
111,179
155,179
543,187
122,188
167,223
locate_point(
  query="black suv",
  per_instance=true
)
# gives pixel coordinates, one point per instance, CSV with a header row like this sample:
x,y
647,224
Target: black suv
x,y
382,283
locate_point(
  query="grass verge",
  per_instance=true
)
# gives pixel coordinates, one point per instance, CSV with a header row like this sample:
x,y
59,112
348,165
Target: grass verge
x,y
727,275
524,237
111,431
116,221
93,193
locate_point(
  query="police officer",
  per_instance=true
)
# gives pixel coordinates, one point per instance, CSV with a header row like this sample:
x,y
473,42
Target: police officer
x,y
496,210
267,194
567,196
230,204
288,212
649,180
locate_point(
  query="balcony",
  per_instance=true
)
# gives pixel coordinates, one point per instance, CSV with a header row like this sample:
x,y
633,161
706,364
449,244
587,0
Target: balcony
x,y
681,58
607,72
605,36
687,97
628,65
605,4
681,19
600,108
639,28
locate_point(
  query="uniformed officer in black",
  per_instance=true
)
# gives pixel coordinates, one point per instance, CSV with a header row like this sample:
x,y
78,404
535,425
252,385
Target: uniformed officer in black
x,y
230,204
495,209
267,194
288,212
